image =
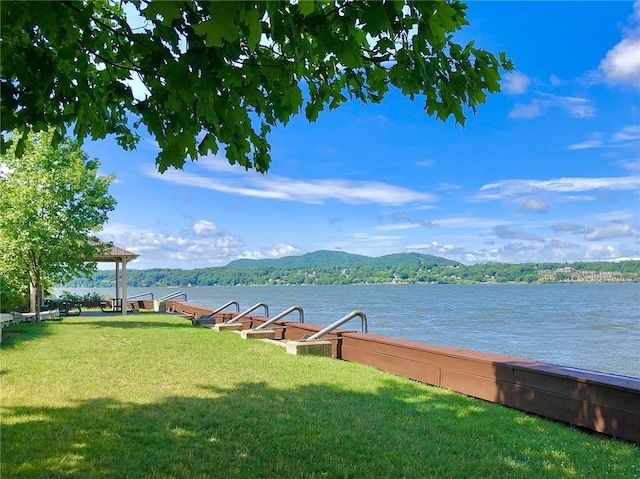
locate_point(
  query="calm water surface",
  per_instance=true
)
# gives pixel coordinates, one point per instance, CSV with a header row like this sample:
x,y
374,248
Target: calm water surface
x,y
590,326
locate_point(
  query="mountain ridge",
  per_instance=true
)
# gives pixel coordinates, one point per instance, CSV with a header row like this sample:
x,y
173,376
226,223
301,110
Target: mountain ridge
x,y
330,258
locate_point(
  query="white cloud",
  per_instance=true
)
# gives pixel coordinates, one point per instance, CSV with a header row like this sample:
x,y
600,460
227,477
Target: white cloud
x,y
594,142
628,133
219,164
210,246
627,136
555,80
505,253
531,110
399,226
513,245
534,206
600,252
552,251
374,120
370,244
280,249
575,107
289,189
205,228
402,221
448,187
585,145
466,222
615,216
273,251
438,249
509,188
367,237
515,83
582,197
632,166
566,227
503,232
424,163
613,230
621,65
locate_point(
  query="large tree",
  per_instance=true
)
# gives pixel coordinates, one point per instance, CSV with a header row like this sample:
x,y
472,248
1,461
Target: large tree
x,y
52,200
225,73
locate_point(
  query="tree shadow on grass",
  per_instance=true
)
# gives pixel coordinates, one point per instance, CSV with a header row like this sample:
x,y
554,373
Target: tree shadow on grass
x,y
313,431
130,321
15,335
126,324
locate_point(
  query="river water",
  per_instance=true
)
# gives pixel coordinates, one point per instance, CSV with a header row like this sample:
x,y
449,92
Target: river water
x,y
589,326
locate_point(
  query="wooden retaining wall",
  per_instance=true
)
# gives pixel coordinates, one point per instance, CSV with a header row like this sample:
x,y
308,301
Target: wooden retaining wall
x,y
605,403
187,308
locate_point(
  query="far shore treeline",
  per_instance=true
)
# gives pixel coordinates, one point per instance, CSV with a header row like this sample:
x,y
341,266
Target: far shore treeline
x,y
336,267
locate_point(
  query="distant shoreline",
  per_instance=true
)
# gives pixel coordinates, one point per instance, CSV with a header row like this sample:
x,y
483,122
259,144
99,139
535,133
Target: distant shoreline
x,y
390,283
335,267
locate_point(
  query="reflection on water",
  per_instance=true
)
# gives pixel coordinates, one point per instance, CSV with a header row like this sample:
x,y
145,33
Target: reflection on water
x,y
591,326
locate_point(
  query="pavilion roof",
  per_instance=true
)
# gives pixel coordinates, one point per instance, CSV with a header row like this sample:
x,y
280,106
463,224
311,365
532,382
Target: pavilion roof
x,y
115,253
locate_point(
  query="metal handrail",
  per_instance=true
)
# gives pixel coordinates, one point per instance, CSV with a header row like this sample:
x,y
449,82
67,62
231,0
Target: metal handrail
x,y
173,295
282,315
339,322
244,313
210,315
139,295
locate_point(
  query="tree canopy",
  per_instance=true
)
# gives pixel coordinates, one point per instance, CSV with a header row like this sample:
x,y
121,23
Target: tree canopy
x,y
223,74
51,202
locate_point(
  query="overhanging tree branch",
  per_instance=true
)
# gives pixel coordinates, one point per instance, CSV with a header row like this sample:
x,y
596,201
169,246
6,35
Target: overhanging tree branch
x,y
194,50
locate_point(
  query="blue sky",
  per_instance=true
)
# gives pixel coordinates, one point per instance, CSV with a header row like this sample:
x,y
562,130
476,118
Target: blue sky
x,y
548,170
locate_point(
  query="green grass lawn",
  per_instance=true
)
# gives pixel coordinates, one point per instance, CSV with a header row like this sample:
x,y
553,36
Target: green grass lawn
x,y
150,396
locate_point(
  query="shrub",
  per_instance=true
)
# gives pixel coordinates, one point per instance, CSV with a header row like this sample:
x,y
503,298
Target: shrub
x,y
69,296
12,299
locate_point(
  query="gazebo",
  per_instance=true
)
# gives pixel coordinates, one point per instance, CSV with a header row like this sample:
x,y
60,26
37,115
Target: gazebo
x,y
121,257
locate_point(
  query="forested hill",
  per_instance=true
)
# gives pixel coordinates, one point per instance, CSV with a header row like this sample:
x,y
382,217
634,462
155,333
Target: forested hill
x,y
337,267
324,259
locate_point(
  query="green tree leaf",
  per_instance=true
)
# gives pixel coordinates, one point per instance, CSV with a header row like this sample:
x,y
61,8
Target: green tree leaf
x,y
252,19
169,11
217,29
225,69
306,7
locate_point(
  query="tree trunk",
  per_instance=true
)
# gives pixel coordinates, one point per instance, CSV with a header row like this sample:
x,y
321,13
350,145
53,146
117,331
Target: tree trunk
x,y
32,297
35,299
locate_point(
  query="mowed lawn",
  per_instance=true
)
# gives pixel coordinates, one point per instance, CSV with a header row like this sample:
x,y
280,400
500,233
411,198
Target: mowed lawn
x,y
150,396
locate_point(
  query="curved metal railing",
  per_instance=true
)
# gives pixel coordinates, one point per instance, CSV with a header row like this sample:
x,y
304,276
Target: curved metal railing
x,y
140,295
340,322
244,313
224,306
173,295
282,315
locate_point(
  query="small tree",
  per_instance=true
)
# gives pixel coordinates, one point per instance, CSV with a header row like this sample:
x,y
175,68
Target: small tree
x,y
51,201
